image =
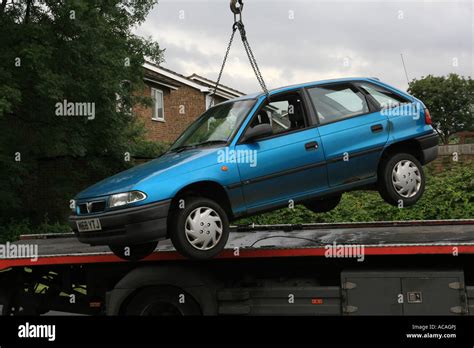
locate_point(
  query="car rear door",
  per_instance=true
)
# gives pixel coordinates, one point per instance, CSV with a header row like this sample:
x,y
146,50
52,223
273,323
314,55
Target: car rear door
x,y
353,132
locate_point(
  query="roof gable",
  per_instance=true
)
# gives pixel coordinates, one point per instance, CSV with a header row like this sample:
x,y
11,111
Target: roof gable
x,y
172,79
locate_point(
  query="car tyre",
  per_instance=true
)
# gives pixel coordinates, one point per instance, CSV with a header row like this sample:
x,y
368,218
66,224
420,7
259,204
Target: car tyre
x,y
401,180
200,230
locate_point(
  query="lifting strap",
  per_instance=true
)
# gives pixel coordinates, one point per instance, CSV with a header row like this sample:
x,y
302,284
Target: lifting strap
x,y
236,6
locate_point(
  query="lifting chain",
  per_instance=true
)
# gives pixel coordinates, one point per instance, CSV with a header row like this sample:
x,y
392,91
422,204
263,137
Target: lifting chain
x,y
236,6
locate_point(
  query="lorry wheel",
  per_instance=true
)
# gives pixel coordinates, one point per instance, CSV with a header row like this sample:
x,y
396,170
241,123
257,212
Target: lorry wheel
x,y
323,205
133,252
401,180
200,230
162,301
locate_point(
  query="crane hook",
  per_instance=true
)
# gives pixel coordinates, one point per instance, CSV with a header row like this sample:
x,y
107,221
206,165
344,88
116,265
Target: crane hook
x,y
236,6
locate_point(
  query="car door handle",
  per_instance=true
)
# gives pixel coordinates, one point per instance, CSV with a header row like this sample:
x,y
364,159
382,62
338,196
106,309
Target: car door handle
x,y
313,145
376,128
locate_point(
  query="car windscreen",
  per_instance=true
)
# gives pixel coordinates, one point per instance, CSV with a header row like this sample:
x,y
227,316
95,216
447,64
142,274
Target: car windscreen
x,y
217,125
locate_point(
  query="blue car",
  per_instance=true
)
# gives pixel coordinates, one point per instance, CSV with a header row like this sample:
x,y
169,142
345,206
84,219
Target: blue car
x,y
303,144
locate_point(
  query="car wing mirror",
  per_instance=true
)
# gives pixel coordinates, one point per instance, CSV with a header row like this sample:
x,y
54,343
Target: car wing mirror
x,y
258,131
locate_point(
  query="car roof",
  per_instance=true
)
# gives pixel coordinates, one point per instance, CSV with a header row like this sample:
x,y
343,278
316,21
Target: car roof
x,y
305,84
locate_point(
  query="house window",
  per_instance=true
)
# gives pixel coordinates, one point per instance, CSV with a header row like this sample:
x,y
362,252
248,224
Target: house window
x,y
158,105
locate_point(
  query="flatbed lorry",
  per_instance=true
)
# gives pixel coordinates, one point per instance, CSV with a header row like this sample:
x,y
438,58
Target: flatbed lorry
x,y
378,268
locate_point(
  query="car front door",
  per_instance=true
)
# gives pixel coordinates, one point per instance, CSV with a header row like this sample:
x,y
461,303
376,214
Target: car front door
x,y
353,132
289,164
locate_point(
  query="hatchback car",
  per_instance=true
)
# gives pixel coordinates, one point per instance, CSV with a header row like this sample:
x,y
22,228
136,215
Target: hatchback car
x,y
304,144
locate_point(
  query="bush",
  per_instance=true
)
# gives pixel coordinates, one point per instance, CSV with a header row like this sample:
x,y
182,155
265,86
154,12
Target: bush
x,y
11,231
148,149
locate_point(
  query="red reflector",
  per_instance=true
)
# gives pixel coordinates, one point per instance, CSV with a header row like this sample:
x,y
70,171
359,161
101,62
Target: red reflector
x,y
427,116
317,301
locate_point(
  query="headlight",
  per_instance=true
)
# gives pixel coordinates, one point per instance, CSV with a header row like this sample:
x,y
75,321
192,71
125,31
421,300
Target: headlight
x,y
120,199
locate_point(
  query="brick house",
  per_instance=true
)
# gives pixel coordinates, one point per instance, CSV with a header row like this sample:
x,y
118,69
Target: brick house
x,y
178,100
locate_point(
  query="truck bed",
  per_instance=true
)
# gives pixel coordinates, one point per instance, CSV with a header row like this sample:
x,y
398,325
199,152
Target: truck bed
x,y
378,238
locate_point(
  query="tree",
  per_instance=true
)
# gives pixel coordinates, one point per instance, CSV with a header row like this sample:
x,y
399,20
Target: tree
x,y
450,100
62,53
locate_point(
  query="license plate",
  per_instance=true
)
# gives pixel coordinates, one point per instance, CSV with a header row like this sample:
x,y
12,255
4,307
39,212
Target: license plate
x,y
88,225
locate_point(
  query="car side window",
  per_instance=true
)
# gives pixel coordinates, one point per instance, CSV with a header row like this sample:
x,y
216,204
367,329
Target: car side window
x,y
337,102
283,113
386,98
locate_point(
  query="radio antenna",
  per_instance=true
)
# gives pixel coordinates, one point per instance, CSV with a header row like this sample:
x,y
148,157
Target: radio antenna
x,y
405,68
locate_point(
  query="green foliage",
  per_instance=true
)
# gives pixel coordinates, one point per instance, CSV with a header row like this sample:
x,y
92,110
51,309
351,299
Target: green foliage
x,y
450,100
11,231
140,147
74,51
50,227
148,149
448,195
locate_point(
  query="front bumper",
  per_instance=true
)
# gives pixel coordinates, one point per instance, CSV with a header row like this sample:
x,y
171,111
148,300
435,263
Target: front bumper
x,y
429,147
135,225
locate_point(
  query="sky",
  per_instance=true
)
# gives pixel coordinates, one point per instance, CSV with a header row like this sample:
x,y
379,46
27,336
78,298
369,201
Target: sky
x,y
302,40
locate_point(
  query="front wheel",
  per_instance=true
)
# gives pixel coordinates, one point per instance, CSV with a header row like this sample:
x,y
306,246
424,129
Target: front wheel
x,y
200,230
401,180
133,252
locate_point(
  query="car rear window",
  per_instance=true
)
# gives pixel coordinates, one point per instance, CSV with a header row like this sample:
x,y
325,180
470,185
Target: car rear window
x,y
337,102
385,98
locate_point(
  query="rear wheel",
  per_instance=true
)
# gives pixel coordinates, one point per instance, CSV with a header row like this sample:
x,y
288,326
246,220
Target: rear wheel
x,y
162,301
200,230
401,180
133,252
323,205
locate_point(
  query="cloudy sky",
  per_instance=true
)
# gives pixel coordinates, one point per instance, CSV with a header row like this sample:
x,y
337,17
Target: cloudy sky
x,y
303,40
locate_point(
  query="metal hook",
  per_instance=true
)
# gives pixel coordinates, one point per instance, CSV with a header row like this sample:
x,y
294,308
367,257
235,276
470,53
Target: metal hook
x,y
236,6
